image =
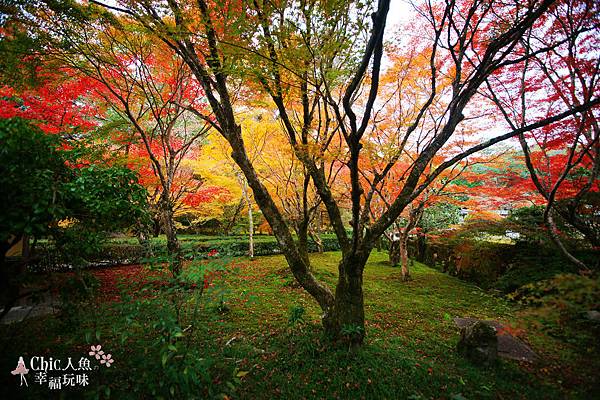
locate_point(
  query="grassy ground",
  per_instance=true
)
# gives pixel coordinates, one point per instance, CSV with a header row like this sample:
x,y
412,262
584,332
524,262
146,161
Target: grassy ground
x,y
252,351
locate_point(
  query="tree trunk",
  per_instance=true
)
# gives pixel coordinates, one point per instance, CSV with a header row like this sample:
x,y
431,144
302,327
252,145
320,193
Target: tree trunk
x,y
238,209
553,231
403,250
250,226
244,184
295,259
394,250
156,226
302,232
317,236
421,246
173,247
413,219
346,321
143,236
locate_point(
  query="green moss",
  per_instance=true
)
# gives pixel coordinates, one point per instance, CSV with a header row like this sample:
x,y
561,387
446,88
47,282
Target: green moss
x,y
409,350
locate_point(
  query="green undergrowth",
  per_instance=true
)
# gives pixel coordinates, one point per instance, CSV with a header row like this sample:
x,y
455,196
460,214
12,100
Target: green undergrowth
x,y
257,336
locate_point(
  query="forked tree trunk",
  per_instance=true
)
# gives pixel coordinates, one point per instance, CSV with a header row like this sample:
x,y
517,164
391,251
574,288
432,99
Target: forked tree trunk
x,y
317,235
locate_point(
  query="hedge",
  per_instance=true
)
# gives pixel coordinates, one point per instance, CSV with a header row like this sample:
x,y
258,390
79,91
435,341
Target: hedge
x,y
492,265
115,253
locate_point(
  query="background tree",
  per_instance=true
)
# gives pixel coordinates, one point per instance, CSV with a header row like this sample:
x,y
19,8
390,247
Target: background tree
x,y
562,158
142,83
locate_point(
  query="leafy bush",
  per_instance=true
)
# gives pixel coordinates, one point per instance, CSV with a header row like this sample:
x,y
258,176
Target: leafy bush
x,y
296,315
566,306
32,172
480,252
464,254
525,267
165,310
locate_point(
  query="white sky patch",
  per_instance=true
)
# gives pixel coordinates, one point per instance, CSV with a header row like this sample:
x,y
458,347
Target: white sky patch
x,y
400,12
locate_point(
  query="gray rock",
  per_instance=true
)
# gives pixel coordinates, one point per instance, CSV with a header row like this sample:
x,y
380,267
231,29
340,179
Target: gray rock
x,y
479,343
20,313
593,315
509,346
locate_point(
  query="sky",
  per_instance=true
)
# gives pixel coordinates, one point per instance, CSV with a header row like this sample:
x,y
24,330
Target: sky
x,y
400,11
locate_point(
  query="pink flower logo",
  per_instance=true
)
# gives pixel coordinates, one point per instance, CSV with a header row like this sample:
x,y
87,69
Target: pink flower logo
x,y
107,359
97,352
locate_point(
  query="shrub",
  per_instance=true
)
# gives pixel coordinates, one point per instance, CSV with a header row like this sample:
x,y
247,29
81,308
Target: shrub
x,y
118,252
567,307
166,310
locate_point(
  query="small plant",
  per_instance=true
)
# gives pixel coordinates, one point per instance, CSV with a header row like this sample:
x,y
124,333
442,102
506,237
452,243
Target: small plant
x,y
222,307
352,332
296,315
169,306
76,295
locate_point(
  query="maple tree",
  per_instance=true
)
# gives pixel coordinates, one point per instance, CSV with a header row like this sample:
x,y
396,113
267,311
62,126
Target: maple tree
x,y
287,179
303,56
562,158
142,83
54,102
218,154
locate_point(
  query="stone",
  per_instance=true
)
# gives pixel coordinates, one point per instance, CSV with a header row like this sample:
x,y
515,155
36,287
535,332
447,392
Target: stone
x,y
593,315
21,313
479,343
509,346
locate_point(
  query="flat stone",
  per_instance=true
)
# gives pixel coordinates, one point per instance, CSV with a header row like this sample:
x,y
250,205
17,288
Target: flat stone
x,y
509,346
479,343
20,313
593,315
